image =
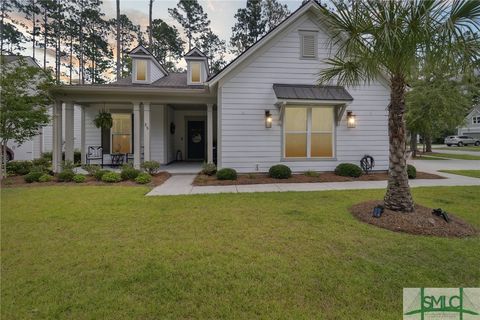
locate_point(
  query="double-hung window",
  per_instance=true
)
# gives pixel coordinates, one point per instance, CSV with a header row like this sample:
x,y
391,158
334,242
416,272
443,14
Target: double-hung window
x,y
308,132
476,119
121,133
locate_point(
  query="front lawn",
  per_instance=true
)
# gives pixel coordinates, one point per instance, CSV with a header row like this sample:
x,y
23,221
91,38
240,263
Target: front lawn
x,y
467,173
112,253
464,148
453,156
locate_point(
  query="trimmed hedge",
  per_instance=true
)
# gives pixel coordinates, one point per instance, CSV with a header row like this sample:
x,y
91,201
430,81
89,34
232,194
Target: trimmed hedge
x,y
279,171
411,171
143,178
45,178
151,167
129,173
348,170
19,167
79,178
99,174
33,176
227,174
111,177
66,176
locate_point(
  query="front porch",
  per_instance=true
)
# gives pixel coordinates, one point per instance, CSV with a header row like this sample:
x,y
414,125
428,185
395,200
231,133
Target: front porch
x,y
180,136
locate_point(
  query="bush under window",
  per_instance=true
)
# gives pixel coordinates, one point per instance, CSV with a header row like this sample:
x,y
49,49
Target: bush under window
x,y
227,174
66,176
151,167
79,178
45,178
143,178
99,174
33,176
348,170
279,171
209,169
111,177
19,167
129,173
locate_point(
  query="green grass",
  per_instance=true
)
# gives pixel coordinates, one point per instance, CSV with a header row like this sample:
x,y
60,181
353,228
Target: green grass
x,y
466,148
454,156
111,253
422,157
467,173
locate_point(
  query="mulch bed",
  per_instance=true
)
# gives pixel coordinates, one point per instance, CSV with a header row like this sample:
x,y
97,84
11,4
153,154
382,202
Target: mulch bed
x,y
204,180
419,222
18,181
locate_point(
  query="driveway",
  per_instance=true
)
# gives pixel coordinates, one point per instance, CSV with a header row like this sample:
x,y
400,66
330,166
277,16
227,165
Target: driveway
x,y
433,166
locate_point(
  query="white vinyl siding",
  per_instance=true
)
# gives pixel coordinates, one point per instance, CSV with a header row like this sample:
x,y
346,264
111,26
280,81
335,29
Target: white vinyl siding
x,y
245,95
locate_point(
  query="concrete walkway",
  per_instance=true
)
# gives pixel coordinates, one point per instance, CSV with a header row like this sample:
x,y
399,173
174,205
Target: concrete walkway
x,y
182,185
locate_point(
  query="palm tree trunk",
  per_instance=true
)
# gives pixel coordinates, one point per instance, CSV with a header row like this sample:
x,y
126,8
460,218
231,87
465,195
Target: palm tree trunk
x,y
398,196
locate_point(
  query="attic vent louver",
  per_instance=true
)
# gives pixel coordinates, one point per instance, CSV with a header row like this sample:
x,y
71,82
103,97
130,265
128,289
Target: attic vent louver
x,y
308,45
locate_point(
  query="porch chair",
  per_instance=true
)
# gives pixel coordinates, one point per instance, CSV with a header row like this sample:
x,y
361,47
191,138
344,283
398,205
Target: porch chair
x,y
95,153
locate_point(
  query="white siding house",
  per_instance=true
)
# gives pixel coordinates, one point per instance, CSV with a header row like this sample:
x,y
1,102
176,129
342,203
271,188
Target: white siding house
x,y
471,126
264,108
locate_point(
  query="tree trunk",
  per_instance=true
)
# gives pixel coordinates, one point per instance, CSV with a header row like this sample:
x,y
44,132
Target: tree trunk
x,y
3,171
150,25
398,196
428,143
34,26
118,40
413,144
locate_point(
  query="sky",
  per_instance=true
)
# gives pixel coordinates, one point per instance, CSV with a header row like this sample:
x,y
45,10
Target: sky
x,y
220,12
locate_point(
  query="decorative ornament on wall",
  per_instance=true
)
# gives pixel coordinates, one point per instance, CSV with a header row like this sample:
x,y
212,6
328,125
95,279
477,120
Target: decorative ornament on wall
x,y
172,128
196,138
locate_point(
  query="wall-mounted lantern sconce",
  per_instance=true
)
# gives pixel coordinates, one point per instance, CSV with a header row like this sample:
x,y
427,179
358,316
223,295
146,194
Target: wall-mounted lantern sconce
x,y
351,121
268,119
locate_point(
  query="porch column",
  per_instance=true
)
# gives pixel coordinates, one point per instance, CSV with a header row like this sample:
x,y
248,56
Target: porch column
x,y
57,136
136,135
209,133
82,135
69,136
146,131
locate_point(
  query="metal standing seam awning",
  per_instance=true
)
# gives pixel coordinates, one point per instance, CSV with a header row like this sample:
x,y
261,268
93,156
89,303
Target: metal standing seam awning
x,y
311,95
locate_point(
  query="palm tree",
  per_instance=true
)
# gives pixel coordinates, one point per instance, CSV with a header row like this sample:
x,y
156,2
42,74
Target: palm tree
x,y
392,39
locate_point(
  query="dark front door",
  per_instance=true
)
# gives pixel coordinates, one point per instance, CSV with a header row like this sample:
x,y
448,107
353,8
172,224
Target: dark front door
x,y
196,140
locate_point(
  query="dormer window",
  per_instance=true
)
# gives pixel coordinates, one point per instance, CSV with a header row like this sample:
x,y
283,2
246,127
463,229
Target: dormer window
x,y
308,44
141,70
195,72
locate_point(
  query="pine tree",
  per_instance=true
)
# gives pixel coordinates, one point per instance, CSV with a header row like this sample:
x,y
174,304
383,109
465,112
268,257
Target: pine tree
x,y
167,46
190,15
214,48
128,39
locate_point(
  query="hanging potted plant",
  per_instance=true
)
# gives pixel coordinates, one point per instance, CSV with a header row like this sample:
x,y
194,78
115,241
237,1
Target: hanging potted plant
x,y
103,120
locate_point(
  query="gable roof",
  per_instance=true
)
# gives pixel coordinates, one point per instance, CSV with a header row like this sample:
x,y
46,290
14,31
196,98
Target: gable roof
x,y
140,51
12,58
195,52
270,34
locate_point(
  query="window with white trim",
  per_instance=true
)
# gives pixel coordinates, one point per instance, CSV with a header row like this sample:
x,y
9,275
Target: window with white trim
x,y
195,70
121,133
308,44
308,132
476,120
141,70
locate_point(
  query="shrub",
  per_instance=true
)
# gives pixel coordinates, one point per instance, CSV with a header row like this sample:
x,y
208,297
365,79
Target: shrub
x,y
47,156
33,176
129,173
19,167
279,171
92,169
143,178
79,178
66,176
111,177
41,162
227,174
68,165
311,173
209,169
151,167
411,171
99,174
45,178
348,170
